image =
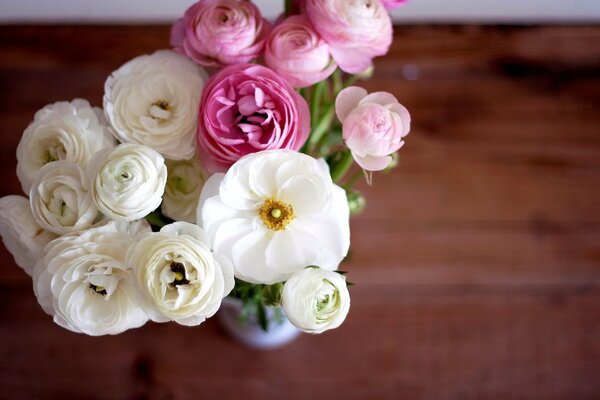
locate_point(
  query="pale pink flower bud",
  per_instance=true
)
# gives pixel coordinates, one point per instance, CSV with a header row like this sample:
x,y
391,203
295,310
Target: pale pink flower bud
x,y
214,33
356,30
296,52
373,125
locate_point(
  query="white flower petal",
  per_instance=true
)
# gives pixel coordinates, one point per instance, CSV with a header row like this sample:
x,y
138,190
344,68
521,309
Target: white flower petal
x,y
153,100
21,234
317,231
316,300
128,182
66,281
61,131
182,192
249,255
290,248
304,194
59,199
180,278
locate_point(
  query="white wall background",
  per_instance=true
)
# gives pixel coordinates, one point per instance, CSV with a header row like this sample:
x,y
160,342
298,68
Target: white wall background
x,y
440,11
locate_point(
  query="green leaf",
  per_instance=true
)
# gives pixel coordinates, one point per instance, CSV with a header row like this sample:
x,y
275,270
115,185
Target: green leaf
x,y
261,316
157,220
271,294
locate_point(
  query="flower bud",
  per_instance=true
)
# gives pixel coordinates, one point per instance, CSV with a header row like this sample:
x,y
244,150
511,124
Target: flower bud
x,y
356,202
127,183
356,31
316,300
215,33
373,126
297,53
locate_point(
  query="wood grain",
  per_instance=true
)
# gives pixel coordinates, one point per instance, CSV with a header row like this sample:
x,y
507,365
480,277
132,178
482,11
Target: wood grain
x,y
477,261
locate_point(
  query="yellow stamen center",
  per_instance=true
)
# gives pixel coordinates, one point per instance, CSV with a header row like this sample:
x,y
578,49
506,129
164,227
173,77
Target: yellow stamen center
x,y
275,214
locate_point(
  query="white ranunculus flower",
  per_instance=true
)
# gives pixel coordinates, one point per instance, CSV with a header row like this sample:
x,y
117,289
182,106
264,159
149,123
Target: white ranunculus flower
x,y
84,282
274,213
72,131
127,183
21,234
184,184
316,300
182,280
153,100
59,199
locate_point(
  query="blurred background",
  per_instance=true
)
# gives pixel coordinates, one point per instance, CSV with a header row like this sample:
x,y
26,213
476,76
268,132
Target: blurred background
x,y
476,262
418,11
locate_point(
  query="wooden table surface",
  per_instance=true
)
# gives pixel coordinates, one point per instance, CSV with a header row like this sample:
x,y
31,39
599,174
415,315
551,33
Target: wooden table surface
x,y
477,262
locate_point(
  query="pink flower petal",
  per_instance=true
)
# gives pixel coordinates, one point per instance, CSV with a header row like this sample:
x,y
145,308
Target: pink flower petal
x,y
381,98
347,100
371,163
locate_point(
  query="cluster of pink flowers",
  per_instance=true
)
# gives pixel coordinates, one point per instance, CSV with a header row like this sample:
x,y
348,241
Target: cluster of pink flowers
x,y
246,108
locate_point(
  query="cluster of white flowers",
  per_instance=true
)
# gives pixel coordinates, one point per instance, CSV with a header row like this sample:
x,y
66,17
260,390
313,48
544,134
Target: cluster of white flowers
x,y
94,177
123,224
275,213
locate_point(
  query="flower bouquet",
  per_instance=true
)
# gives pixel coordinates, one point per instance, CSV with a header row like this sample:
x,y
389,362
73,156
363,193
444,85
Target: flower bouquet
x,y
215,170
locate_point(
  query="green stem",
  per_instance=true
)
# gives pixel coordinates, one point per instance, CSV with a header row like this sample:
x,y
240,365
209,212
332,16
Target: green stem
x,y
353,179
340,168
338,83
351,80
319,145
321,127
315,103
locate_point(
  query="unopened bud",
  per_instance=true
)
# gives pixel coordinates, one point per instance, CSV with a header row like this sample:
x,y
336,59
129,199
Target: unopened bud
x,y
356,202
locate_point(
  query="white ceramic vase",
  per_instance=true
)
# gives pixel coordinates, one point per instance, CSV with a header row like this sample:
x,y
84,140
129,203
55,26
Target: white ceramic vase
x,y
249,333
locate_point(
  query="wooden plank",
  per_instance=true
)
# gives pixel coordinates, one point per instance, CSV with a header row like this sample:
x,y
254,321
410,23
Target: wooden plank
x,y
447,253
397,343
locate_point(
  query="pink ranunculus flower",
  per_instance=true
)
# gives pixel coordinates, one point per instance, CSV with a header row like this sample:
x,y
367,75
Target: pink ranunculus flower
x,y
356,31
391,4
214,33
248,108
373,125
296,52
